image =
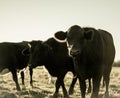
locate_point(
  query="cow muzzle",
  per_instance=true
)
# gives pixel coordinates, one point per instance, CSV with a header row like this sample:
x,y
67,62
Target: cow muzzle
x,y
74,52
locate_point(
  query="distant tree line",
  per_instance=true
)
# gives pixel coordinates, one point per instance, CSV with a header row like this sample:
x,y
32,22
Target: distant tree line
x,y
116,64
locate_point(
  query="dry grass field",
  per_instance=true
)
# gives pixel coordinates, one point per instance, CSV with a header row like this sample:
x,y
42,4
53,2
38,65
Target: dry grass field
x,y
42,89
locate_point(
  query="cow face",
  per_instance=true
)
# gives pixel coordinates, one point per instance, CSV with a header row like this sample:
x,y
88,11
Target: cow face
x,y
77,38
39,53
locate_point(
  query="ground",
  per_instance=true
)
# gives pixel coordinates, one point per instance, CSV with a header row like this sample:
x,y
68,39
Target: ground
x,y
42,89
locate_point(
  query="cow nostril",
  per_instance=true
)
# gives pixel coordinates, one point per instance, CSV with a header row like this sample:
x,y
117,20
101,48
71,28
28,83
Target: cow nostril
x,y
71,53
74,53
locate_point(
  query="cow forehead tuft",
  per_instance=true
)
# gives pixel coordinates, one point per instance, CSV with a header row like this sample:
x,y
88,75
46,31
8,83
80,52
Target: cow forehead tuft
x,y
74,28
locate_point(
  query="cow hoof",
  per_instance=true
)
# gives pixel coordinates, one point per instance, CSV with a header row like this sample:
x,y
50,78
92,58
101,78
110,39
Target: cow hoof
x,y
18,89
55,95
70,92
106,95
23,87
89,91
31,84
66,96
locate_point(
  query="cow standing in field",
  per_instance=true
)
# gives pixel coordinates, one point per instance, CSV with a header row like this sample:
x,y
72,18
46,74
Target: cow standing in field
x,y
12,59
93,54
54,56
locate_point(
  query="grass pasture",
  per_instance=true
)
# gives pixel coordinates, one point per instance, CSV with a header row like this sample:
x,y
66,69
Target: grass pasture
x,y
42,89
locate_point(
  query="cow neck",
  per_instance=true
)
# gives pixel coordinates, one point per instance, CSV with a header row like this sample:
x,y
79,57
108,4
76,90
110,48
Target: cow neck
x,y
50,64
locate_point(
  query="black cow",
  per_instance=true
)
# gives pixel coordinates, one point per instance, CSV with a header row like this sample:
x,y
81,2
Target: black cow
x,y
93,53
12,58
54,56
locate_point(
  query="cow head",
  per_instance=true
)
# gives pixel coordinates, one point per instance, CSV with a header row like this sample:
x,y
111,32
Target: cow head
x,y
76,38
39,52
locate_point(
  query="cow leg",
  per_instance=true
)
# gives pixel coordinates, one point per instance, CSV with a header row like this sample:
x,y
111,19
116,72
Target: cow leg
x,y
57,85
107,79
89,88
23,78
14,75
71,89
64,90
59,82
82,87
96,86
31,73
63,86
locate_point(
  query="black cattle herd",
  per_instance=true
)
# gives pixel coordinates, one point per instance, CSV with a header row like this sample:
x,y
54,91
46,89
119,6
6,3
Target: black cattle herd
x,y
87,52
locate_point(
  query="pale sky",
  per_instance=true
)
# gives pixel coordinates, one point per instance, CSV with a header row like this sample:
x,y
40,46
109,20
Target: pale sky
x,y
40,19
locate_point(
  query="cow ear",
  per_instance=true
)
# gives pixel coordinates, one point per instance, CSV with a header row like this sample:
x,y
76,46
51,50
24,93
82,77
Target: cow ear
x,y
26,52
60,35
89,34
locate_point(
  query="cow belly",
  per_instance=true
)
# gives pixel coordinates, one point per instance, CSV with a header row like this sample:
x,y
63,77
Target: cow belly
x,y
4,71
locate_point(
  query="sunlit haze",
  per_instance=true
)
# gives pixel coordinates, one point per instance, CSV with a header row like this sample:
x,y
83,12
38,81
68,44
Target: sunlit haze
x,y
39,19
